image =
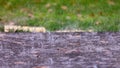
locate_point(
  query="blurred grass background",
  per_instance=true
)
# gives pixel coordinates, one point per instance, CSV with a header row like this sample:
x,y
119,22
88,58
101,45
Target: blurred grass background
x,y
95,15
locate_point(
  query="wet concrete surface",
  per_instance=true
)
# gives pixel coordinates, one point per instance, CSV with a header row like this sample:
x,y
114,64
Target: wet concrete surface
x,y
60,50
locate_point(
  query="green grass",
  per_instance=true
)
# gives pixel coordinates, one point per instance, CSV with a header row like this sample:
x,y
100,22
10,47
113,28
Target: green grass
x,y
97,15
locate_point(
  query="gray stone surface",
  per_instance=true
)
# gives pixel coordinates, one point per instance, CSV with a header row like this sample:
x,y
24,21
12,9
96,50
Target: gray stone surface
x,y
60,50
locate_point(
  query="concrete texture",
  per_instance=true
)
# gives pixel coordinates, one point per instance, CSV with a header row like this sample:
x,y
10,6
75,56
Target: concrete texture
x,y
60,50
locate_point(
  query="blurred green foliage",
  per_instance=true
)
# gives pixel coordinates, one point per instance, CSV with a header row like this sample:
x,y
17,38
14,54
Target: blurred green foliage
x,y
96,15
